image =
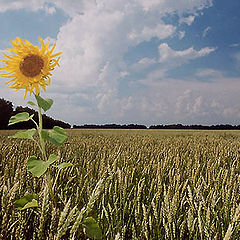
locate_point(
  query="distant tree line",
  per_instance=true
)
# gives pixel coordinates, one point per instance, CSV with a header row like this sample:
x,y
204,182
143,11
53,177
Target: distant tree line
x,y
111,126
7,110
170,126
197,127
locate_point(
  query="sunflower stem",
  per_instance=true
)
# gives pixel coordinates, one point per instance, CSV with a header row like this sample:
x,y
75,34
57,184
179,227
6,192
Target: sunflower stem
x,y
43,151
42,142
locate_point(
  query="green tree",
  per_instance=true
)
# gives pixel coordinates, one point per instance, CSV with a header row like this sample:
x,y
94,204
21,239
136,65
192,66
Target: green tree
x,y
6,111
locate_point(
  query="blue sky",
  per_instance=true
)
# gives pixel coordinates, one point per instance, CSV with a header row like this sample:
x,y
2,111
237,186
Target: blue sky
x,y
134,61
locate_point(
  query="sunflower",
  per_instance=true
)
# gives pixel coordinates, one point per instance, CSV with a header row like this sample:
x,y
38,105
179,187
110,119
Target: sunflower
x,y
29,67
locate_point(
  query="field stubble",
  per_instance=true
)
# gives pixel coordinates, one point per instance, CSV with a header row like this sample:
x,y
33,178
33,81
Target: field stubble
x,y
156,185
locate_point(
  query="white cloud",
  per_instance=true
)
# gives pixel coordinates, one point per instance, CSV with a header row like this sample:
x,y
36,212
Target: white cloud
x,y
143,64
192,102
206,31
76,7
170,6
175,57
49,10
181,34
101,36
70,7
32,5
232,112
188,20
94,41
181,101
198,104
161,31
209,73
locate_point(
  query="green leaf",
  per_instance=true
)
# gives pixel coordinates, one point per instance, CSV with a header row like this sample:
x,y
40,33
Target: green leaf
x,y
52,158
31,103
92,228
44,103
31,204
64,165
38,167
25,135
57,135
20,117
27,201
44,134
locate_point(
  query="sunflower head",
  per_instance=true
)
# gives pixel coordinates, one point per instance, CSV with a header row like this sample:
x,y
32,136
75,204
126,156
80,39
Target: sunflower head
x,y
29,67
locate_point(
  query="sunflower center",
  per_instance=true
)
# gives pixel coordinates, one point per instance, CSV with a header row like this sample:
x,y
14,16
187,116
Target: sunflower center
x,y
31,65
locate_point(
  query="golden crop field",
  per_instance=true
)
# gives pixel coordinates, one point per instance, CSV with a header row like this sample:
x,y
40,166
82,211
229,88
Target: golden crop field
x,y
153,184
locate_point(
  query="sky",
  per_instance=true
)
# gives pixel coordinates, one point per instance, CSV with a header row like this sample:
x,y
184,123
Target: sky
x,y
134,61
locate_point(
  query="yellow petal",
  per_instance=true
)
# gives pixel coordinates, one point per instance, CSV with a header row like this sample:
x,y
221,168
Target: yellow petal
x,y
56,54
16,75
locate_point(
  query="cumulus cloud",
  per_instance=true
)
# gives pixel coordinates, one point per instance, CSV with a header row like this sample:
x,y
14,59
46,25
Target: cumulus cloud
x,y
161,31
100,37
32,5
188,20
71,7
76,7
194,102
170,6
190,104
178,57
233,111
94,42
142,64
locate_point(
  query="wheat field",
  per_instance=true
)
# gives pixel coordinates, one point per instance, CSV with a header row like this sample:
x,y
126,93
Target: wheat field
x,y
138,184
